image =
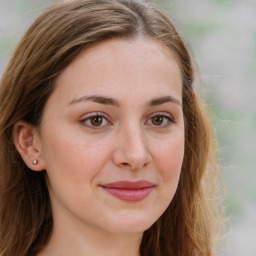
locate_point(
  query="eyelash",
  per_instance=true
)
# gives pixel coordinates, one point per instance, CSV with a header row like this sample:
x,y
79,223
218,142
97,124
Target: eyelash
x,y
89,118
168,120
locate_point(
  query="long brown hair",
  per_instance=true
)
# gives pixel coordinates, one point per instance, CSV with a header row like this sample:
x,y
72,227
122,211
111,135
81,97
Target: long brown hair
x,y
51,43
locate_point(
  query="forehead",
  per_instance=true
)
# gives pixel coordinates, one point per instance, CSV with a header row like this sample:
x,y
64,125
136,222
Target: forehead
x,y
139,65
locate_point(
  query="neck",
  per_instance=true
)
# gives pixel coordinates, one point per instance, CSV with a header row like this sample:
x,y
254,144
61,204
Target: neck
x,y
90,241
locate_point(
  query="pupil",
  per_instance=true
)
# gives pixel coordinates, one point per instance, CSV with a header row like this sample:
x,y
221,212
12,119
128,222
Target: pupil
x,y
97,120
158,120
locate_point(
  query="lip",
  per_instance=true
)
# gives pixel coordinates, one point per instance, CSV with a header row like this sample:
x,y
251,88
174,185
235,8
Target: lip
x,y
129,190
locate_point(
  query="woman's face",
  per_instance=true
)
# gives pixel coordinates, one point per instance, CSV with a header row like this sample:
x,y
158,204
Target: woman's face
x,y
112,136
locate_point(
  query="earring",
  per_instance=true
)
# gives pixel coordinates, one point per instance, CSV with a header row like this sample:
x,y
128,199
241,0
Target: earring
x,y
35,162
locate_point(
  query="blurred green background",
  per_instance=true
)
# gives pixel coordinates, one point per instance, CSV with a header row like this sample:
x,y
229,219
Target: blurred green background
x,y
222,34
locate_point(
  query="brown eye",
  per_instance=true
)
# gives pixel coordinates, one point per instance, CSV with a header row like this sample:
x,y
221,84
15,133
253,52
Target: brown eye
x,y
157,120
160,120
96,120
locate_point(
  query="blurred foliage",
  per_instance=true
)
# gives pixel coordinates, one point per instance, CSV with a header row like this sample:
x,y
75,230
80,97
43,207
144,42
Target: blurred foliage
x,y
5,43
22,5
233,206
223,3
252,63
199,29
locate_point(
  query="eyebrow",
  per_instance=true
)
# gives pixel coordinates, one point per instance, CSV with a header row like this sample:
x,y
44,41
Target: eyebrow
x,y
165,99
114,102
98,99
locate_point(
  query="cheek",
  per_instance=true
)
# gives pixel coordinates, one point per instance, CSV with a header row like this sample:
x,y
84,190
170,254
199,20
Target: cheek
x,y
170,156
72,162
73,158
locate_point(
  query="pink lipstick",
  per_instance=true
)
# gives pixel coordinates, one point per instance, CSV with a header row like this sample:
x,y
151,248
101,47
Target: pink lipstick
x,y
129,190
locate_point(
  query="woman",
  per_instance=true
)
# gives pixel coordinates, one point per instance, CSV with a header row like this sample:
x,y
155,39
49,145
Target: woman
x,y
105,147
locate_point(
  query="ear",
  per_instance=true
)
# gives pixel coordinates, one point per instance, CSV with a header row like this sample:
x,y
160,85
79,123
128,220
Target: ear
x,y
27,142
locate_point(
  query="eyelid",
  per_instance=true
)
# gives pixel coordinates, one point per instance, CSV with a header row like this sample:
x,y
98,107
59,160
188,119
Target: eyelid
x,y
87,116
165,115
94,113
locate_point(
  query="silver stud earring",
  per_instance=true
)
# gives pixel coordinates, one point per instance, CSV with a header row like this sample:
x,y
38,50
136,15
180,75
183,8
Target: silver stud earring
x,y
35,162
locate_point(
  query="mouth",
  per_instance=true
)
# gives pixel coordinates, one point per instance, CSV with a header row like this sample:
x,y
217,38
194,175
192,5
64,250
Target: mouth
x,y
129,190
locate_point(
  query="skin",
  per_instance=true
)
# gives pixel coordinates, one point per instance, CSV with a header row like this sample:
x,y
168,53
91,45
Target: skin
x,y
129,142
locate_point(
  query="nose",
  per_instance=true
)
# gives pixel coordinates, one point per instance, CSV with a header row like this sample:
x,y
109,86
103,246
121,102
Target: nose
x,y
132,151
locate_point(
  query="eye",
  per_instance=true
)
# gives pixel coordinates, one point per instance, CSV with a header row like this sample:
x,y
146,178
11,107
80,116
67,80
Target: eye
x,y
160,120
95,120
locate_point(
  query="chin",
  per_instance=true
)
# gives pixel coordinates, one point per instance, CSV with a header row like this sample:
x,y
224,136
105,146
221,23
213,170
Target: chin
x,y
132,224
